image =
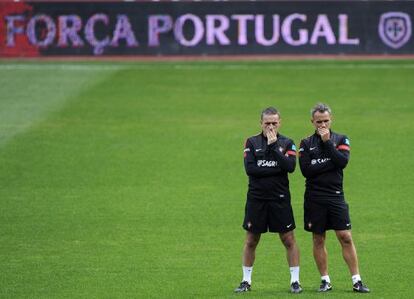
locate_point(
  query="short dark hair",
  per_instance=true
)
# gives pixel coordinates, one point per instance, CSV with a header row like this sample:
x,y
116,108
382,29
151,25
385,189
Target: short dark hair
x,y
269,110
321,108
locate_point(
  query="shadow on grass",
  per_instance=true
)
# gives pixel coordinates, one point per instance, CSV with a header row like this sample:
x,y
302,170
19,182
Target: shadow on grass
x,y
285,293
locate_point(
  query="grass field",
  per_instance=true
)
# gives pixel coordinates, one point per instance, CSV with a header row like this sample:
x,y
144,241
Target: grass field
x,y
123,180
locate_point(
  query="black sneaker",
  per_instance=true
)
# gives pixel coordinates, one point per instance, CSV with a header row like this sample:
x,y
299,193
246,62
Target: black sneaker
x,y
295,287
360,287
325,286
243,287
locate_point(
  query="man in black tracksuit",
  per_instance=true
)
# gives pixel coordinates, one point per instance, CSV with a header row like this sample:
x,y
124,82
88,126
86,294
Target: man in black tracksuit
x,y
268,158
322,158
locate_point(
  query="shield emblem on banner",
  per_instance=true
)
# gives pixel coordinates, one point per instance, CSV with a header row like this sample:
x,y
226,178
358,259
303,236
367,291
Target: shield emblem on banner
x,y
394,29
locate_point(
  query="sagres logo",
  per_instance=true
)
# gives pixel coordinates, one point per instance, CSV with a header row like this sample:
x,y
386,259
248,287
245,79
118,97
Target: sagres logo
x,y
394,29
265,163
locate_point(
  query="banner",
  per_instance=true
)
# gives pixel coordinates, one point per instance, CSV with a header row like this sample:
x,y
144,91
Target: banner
x,y
205,28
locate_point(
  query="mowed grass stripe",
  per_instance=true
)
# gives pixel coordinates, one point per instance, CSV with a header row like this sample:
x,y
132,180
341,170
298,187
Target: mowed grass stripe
x,y
136,187
29,94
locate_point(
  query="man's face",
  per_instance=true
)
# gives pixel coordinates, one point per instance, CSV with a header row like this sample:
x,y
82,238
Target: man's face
x,y
321,120
270,121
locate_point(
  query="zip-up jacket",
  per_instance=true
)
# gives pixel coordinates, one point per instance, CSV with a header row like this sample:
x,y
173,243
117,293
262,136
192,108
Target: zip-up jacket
x,y
322,165
268,166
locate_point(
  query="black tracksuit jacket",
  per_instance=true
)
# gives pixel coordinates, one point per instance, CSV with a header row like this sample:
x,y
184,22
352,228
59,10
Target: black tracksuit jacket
x,y
268,166
322,165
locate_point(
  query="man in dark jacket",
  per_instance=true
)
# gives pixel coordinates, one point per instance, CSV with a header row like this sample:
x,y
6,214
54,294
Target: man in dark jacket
x,y
322,158
268,158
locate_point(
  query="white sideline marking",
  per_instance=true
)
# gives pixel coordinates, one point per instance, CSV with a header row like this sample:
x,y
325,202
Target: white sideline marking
x,y
295,67
199,66
62,67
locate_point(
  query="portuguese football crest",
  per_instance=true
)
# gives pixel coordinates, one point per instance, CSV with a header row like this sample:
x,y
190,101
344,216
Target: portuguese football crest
x,y
395,29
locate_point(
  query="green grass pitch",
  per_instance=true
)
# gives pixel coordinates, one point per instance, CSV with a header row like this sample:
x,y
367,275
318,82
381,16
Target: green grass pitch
x,y
126,180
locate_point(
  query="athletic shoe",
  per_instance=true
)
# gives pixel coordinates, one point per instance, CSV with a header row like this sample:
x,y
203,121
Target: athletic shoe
x,y
325,286
360,287
295,287
243,287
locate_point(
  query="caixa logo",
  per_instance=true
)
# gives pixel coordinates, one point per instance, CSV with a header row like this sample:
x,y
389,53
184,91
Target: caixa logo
x,y
320,160
394,28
